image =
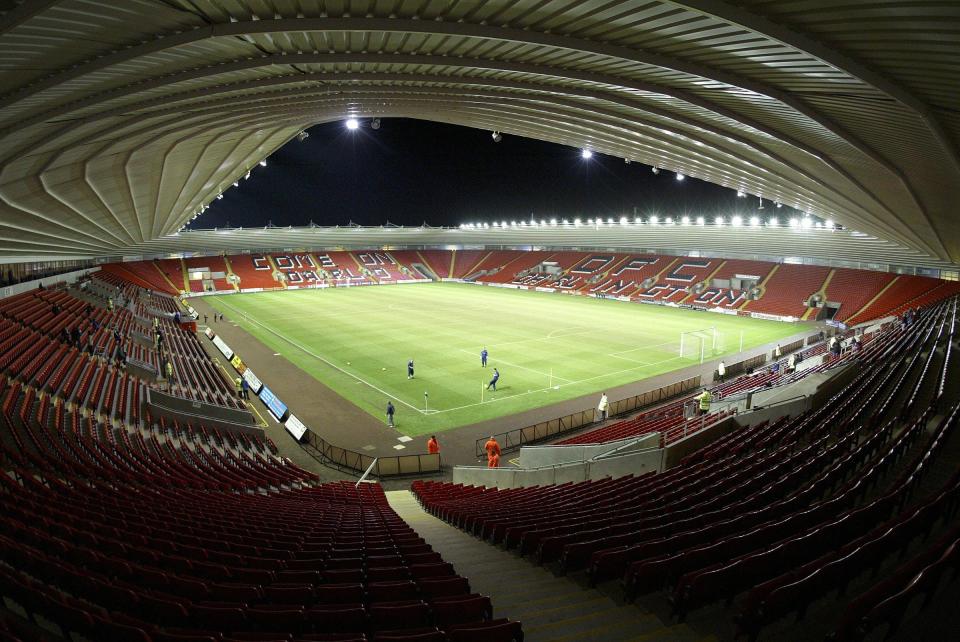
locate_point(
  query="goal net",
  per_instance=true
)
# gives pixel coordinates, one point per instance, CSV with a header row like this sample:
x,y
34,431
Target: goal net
x,y
699,345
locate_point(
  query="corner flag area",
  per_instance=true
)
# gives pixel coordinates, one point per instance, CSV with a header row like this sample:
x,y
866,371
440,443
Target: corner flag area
x,y
547,347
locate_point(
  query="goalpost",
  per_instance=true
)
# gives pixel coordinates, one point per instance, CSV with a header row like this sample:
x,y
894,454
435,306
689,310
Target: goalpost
x,y
698,345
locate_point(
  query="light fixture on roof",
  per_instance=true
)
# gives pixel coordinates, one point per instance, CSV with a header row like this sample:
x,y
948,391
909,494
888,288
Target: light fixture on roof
x,y
741,194
701,220
655,169
263,163
586,153
626,161
828,224
236,184
543,223
553,222
754,221
503,224
577,222
496,137
779,204
718,220
653,219
736,221
624,220
668,220
609,221
761,203
246,176
680,176
352,124
589,221
302,136
685,220
375,123
794,222
773,222
807,223
219,196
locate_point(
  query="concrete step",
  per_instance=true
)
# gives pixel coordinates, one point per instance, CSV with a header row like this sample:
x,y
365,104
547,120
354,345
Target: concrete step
x,y
552,608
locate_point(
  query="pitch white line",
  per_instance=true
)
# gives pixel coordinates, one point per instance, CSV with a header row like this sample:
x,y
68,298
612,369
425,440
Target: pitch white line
x,y
319,358
514,365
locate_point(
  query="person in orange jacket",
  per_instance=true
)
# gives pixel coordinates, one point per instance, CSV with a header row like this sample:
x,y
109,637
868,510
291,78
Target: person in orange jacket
x,y
433,446
493,453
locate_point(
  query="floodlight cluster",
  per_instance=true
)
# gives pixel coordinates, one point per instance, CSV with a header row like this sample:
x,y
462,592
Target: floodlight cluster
x,y
653,220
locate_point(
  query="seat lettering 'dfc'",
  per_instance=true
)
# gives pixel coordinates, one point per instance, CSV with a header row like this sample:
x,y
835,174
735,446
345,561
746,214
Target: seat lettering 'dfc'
x,y
686,271
637,263
593,264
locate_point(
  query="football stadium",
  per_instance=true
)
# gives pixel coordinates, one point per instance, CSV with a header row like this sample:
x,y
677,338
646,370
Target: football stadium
x,y
578,321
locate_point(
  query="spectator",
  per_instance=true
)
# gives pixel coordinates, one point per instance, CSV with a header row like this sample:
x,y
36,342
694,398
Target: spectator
x,y
169,371
433,446
792,362
722,371
602,407
238,382
245,388
205,319
493,453
777,353
110,304
390,411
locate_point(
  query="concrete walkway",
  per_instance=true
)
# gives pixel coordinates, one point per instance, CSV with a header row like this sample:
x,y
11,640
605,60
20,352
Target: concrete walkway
x,y
551,608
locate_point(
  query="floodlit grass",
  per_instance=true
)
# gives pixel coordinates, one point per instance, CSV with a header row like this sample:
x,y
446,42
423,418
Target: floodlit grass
x,y
548,347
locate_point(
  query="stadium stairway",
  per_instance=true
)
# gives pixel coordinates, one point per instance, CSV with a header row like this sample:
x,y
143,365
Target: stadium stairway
x,y
552,608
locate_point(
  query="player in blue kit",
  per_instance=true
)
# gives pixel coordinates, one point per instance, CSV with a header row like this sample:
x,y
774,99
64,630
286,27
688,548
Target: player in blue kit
x,y
493,382
410,369
483,358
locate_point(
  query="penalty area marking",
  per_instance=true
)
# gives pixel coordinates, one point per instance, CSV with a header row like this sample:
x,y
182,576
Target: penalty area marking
x,y
319,358
514,365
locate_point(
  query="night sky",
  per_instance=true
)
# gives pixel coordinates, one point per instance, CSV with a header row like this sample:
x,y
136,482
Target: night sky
x,y
411,172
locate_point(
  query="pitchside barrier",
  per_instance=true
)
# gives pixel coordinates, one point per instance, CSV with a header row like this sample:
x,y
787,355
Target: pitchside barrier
x,y
740,367
352,461
512,440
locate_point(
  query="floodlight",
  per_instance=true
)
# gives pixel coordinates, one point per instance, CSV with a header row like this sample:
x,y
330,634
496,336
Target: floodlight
x,y
701,220
302,136
496,137
609,221
652,220
680,176
755,221
807,223
375,123
576,222
626,161
773,222
589,221
236,184
718,220
586,154
668,220
794,222
352,123
623,220
779,204
504,224
553,222
543,223
263,163
219,196
829,224
685,220
513,223
741,194
566,222
736,221
655,169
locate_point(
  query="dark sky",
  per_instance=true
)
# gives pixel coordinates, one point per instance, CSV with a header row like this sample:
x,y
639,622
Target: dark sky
x,y
409,172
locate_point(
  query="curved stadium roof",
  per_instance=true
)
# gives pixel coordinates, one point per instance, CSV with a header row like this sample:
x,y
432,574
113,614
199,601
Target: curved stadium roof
x,y
119,120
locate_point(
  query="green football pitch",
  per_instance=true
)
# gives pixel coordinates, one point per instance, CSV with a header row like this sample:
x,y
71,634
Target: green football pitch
x,y
548,347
